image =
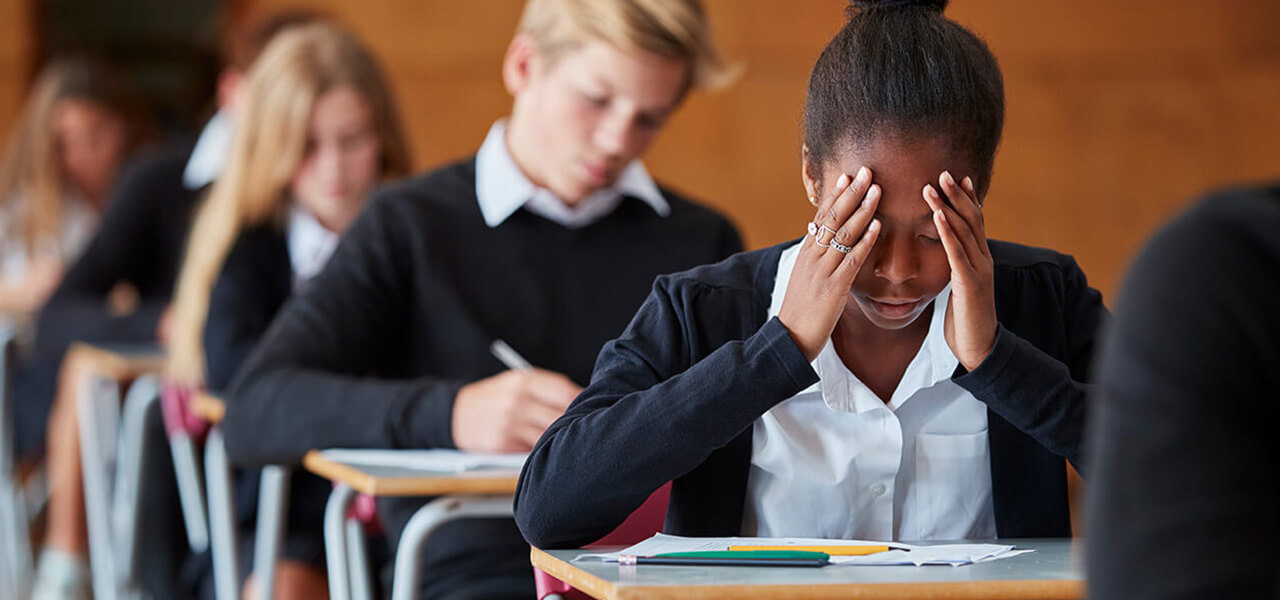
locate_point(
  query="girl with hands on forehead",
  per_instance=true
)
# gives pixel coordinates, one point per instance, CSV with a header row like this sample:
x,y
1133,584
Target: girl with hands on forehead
x,y
891,375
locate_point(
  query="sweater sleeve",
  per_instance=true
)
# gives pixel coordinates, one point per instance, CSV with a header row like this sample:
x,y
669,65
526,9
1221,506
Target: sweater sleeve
x,y
306,386
1182,503
652,414
119,251
1041,395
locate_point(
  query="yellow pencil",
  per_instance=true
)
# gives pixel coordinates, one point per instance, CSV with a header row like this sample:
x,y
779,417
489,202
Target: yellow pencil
x,y
831,550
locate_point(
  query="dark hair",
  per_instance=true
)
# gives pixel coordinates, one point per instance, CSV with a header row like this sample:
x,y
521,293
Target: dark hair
x,y
246,40
899,67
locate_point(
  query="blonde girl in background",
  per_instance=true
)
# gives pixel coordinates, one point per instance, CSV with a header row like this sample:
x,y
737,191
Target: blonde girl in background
x,y
319,129
76,130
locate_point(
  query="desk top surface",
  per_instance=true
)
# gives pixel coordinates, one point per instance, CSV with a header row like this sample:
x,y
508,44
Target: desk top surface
x,y
208,407
1051,572
398,481
120,361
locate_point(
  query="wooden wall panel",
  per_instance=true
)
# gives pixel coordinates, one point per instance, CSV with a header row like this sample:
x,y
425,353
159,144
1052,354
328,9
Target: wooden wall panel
x,y
1119,112
16,43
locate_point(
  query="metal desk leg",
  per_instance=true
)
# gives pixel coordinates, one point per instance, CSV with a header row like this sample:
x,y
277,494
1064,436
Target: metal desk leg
x,y
358,561
16,564
273,497
141,400
427,520
96,405
186,470
335,543
222,523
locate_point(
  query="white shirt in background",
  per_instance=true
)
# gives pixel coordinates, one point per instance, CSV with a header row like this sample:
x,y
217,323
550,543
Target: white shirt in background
x,y
502,189
836,461
310,245
79,221
210,152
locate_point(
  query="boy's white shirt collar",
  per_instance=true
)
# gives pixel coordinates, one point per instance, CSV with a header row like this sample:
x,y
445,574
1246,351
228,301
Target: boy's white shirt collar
x,y
210,152
502,189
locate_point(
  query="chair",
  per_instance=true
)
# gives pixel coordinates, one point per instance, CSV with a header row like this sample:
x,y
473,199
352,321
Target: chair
x,y
640,525
16,567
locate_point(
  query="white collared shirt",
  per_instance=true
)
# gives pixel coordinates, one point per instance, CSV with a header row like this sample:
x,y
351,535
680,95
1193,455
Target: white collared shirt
x,y
502,189
310,245
209,154
835,461
79,221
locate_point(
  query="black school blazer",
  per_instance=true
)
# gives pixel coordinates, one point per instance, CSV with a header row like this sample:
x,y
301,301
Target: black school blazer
x,y
675,397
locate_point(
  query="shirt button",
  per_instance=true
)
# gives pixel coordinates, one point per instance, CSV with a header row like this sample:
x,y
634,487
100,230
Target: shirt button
x,y
878,489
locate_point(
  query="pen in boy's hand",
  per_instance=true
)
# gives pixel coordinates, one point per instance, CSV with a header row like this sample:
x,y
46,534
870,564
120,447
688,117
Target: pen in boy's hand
x,y
509,357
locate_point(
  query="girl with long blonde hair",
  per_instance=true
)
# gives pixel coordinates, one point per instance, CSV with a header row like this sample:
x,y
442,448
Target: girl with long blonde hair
x,y
318,130
74,133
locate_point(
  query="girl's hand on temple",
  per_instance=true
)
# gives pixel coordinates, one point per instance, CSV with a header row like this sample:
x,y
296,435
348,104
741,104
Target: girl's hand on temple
x,y
971,313
839,240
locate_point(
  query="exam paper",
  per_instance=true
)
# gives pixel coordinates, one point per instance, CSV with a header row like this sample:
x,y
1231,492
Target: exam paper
x,y
438,461
898,554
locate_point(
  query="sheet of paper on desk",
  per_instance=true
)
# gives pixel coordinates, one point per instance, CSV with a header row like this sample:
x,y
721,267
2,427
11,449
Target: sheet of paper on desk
x,y
436,461
899,554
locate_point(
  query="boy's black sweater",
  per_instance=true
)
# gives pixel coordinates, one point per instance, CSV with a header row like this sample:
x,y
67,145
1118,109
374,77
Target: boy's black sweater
x,y
373,352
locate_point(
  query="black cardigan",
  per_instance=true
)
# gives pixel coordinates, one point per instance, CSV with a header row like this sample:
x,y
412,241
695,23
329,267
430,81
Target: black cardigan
x,y
255,281
674,399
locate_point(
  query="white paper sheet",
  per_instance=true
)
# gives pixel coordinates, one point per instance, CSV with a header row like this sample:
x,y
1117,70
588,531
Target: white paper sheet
x,y
899,553
437,461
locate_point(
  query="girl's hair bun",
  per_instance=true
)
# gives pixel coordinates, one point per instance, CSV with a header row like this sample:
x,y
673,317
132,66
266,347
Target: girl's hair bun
x,y
866,5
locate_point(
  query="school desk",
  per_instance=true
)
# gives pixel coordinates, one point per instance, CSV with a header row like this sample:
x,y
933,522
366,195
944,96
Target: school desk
x,y
112,483
460,496
1050,573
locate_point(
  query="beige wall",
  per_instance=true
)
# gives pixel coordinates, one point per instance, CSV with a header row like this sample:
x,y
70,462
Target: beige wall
x,y
1119,112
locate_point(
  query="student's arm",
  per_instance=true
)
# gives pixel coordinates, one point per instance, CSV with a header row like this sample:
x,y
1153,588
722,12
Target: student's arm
x,y
1038,393
651,414
1183,499
254,283
304,386
121,250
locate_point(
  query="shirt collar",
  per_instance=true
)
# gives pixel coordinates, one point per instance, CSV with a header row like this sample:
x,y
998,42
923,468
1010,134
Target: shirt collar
x,y
210,152
840,388
502,189
310,244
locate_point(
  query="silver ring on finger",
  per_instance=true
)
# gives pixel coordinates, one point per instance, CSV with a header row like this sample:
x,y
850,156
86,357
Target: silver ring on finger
x,y
841,248
833,232
813,230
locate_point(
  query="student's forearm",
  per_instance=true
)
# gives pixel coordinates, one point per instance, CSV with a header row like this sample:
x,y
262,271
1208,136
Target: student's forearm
x,y
1034,392
277,415
618,442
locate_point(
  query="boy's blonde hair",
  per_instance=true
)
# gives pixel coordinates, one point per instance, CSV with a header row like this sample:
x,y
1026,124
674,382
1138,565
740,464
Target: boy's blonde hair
x,y
675,29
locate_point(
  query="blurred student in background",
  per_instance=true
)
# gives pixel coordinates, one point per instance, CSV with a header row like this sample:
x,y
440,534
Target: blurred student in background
x,y
1185,467
78,127
548,239
137,248
317,129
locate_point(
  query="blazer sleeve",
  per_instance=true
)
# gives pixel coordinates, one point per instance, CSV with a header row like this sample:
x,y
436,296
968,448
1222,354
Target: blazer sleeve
x,y
254,283
1043,395
652,413
305,386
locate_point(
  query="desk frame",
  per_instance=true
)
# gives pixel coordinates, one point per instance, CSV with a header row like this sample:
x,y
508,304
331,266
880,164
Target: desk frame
x,y
460,497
